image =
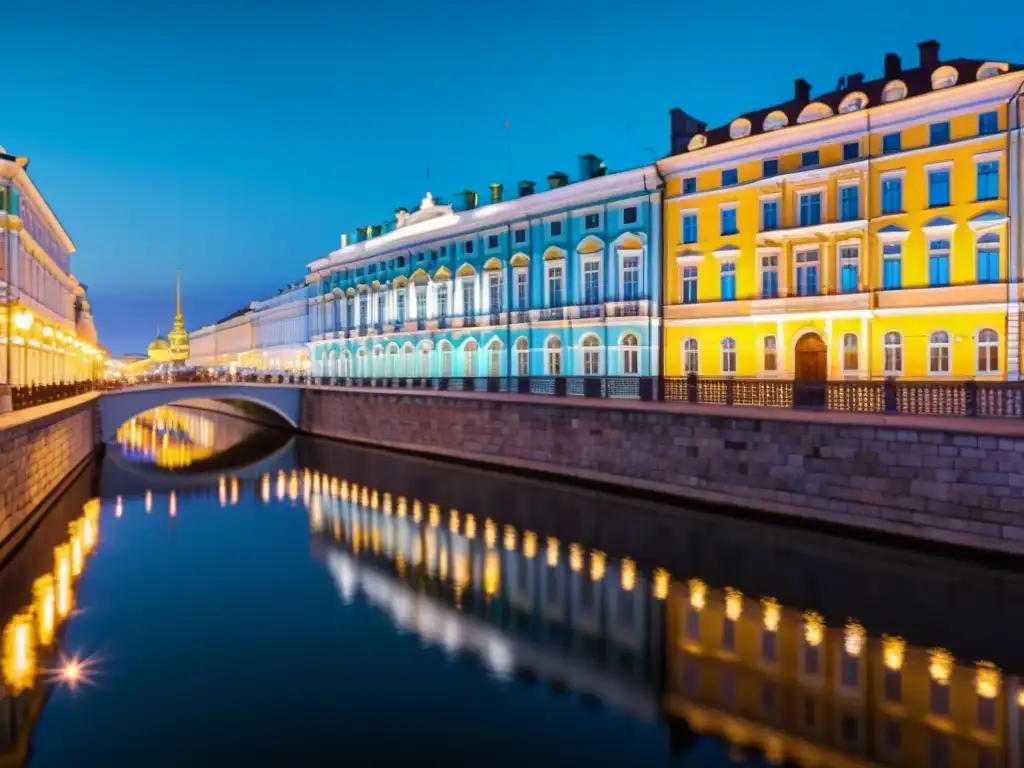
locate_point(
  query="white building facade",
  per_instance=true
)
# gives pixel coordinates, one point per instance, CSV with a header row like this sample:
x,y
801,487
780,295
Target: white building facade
x,y
281,331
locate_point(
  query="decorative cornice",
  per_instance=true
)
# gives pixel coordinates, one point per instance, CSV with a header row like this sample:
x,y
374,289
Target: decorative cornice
x,y
11,170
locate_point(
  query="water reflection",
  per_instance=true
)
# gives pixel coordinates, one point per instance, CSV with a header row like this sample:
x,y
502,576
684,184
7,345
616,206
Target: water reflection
x,y
170,437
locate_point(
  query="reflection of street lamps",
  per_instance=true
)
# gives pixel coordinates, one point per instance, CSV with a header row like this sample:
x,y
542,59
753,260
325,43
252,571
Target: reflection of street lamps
x,y
23,321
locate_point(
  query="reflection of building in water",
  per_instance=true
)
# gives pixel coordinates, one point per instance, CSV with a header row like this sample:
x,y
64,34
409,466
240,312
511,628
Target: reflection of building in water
x,y
781,681
168,437
29,635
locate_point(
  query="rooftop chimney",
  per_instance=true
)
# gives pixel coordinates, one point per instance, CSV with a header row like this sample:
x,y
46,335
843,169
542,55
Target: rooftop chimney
x,y
496,190
849,82
375,230
591,166
801,91
557,179
929,52
683,128
468,200
344,239
526,188
892,66
361,234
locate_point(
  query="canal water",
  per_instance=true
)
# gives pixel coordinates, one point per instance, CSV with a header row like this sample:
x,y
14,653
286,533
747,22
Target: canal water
x,y
217,593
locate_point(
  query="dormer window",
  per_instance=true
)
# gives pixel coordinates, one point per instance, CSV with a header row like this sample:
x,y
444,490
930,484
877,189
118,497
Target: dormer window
x,y
944,77
814,111
775,120
894,91
991,69
852,102
697,142
740,127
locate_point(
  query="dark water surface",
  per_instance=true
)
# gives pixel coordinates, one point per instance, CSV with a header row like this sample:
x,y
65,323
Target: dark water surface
x,y
319,604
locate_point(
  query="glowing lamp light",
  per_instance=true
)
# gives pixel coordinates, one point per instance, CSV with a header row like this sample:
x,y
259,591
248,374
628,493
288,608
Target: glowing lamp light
x,y
552,552
490,533
853,638
47,332
62,570
597,565
386,505
434,516
19,653
892,652
76,547
281,482
44,603
698,594
374,500
265,488
661,583
402,506
576,558
529,545
453,521
940,665
417,511
492,574
470,527
772,614
334,486
814,629
510,538
733,604
987,680
364,497
628,572
293,488
149,501
23,320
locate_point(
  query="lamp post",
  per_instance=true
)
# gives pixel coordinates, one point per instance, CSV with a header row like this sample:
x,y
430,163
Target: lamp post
x,y
23,322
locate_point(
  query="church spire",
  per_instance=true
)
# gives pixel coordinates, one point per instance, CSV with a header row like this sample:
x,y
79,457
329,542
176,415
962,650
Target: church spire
x,y
177,314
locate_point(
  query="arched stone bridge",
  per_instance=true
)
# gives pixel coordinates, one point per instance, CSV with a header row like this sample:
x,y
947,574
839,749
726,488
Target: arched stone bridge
x,y
118,407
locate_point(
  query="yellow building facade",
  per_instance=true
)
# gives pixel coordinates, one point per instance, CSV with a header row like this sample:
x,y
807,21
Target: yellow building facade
x,y
861,234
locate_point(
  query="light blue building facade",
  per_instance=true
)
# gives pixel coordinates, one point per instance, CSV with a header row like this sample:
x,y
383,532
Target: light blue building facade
x,y
562,284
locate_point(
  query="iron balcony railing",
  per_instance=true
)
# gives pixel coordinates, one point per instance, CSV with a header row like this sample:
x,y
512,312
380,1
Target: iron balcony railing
x,y
26,397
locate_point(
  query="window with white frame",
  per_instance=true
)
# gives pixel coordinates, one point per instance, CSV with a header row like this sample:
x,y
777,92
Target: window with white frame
x,y
938,352
728,355
553,357
556,294
442,301
591,281
689,285
494,291
771,354
522,356
469,297
363,303
469,358
892,266
382,306
938,262
807,273
630,348
770,277
849,269
591,355
630,278
988,351
892,348
400,306
446,359
421,301
494,359
522,289
988,258
691,356
851,360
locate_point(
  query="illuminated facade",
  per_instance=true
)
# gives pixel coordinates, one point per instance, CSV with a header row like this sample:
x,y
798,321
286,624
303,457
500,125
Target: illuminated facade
x,y
174,350
861,233
281,331
558,283
225,345
46,329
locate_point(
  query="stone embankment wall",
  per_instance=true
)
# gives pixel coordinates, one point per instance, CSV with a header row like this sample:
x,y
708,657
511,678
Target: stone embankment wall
x,y
956,481
39,447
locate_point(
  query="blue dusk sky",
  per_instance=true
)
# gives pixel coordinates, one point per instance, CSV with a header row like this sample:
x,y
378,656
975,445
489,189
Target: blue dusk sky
x,y
237,140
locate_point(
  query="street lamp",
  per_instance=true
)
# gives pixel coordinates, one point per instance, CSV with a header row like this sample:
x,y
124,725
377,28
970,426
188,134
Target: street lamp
x,y
23,322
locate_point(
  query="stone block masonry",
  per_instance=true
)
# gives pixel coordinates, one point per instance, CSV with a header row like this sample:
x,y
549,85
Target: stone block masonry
x,y
956,481
39,447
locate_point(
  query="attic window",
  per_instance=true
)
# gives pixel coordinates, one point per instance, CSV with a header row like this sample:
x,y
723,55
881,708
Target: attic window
x,y
992,68
894,91
944,77
775,120
740,127
698,142
852,102
814,111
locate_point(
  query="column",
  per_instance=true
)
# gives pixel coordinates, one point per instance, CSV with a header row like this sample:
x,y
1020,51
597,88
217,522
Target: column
x,y
864,350
781,345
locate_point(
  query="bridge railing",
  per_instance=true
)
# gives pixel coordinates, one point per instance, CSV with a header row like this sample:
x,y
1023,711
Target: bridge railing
x,y
32,395
972,398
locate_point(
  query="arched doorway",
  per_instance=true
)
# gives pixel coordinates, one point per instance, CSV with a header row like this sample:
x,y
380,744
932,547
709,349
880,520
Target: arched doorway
x,y
810,371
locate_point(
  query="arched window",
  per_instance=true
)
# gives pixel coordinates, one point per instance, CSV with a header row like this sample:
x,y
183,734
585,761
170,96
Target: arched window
x,y
944,77
771,354
894,91
553,355
988,258
728,355
850,352
988,351
425,359
591,355
378,362
775,120
814,111
892,346
446,359
494,358
739,128
392,362
630,354
691,356
938,352
409,360
522,356
469,358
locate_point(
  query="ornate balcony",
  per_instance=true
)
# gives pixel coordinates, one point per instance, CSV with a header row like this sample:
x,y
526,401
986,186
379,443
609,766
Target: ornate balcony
x,y
522,316
552,313
496,318
589,311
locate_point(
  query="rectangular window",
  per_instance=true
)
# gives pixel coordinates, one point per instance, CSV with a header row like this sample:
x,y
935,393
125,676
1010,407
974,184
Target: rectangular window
x,y
728,281
849,203
421,303
988,180
555,228
591,276
689,227
444,251
730,177
519,236
849,269
807,273
769,277
442,302
938,262
690,185
938,133
891,143
892,266
851,150
770,168
728,216
631,278
400,307
892,195
769,215
629,215
769,646
382,307
555,297
468,298
809,158
850,353
988,263
938,188
467,247
492,242
939,698
810,209
522,281
689,285
494,284
592,221
988,123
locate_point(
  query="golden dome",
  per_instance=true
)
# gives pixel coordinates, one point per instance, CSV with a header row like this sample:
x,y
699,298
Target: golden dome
x,y
158,343
85,330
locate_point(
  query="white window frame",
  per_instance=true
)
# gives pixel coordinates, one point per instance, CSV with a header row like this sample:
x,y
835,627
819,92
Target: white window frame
x,y
591,349
682,215
797,253
799,194
846,184
888,370
696,354
627,351
725,353
550,264
761,253
516,272
840,247
979,345
553,347
522,351
470,363
938,346
764,354
494,350
585,260
622,254
842,352
775,197
732,205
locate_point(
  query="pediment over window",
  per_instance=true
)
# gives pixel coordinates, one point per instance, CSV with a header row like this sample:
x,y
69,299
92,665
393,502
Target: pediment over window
x,y
590,245
988,220
443,273
939,224
893,232
492,265
630,244
553,254
420,276
727,252
520,260
466,270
